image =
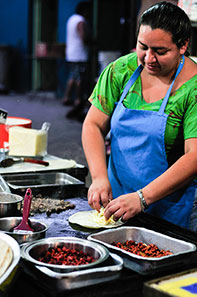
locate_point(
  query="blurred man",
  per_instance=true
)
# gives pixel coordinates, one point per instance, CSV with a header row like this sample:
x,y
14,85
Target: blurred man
x,y
77,39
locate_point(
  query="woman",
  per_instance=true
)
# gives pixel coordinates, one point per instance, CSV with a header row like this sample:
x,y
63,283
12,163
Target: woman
x,y
147,101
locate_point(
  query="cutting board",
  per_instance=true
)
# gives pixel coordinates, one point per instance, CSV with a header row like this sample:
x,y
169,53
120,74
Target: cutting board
x,y
55,163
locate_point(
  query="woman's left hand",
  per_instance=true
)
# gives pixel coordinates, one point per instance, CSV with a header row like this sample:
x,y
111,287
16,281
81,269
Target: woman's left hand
x,y
124,207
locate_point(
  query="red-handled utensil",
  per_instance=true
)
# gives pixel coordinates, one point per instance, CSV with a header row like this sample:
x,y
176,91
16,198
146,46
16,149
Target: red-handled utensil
x,y
10,161
24,225
41,162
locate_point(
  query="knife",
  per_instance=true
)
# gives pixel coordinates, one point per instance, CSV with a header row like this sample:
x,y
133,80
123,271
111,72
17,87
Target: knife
x,y
10,161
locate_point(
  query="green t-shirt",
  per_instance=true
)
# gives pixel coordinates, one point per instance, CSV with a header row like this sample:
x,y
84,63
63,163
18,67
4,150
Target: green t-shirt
x,y
181,106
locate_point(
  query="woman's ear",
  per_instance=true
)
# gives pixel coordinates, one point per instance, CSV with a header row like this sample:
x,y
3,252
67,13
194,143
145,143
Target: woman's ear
x,y
184,47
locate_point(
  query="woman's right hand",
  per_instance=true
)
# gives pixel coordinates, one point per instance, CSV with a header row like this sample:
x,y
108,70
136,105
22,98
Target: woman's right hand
x,y
99,193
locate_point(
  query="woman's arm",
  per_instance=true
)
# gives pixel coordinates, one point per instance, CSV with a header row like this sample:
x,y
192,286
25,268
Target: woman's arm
x,y
179,174
95,128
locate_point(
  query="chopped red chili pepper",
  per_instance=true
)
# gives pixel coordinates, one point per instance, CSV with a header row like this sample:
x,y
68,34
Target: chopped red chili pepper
x,y
65,256
141,249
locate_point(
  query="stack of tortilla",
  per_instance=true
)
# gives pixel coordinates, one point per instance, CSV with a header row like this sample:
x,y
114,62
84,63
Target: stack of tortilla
x,y
6,256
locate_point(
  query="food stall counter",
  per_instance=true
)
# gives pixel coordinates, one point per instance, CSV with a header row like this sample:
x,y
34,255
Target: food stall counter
x,y
29,282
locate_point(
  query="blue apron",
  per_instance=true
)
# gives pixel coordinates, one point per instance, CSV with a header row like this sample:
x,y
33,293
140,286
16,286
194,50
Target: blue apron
x,y
138,156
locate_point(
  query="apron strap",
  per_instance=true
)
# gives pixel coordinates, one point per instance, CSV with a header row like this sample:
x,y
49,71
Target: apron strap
x,y
165,101
131,81
135,75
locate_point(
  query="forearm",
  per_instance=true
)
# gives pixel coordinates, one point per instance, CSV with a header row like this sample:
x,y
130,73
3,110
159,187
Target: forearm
x,y
178,175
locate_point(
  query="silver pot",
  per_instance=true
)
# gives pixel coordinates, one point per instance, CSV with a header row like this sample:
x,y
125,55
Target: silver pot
x,y
7,225
32,251
10,204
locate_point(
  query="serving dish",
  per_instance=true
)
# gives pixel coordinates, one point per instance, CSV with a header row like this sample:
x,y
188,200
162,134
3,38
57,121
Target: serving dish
x,y
110,270
32,251
59,282
8,223
10,204
16,256
181,250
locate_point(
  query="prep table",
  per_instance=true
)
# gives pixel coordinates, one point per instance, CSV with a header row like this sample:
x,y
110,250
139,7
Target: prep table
x,y
30,283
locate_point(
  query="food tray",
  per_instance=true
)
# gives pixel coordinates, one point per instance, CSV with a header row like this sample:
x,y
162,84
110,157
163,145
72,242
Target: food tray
x,y
76,279
50,183
179,284
182,250
16,257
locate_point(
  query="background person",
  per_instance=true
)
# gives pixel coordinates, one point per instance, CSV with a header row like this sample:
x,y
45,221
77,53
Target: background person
x,y
77,55
148,101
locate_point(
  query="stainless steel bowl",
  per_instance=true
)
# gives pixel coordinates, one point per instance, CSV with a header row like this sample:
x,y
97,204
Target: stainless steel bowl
x,y
10,204
7,225
32,251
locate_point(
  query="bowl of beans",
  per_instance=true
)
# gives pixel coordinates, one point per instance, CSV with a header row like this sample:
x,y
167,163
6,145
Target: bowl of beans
x,y
64,254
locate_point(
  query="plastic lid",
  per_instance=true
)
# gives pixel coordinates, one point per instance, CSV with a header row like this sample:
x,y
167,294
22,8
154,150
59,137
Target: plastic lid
x,y
17,121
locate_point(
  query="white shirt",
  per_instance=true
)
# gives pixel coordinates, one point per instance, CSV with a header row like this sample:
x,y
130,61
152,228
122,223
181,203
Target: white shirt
x,y
76,51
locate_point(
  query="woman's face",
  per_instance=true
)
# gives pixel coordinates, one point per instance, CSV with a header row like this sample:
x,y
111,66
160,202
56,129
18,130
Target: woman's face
x,y
156,51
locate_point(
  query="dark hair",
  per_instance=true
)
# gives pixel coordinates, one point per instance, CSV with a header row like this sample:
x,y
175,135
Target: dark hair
x,y
83,8
170,18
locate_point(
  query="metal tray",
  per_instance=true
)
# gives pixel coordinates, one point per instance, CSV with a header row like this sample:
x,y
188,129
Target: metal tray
x,y
58,183
176,281
77,279
4,186
182,250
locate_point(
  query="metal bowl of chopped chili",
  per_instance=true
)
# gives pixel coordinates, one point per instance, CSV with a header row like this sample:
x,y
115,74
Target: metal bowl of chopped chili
x,y
64,254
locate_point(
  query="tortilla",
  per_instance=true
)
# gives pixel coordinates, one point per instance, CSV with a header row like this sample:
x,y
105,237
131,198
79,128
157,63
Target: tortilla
x,y
6,256
93,219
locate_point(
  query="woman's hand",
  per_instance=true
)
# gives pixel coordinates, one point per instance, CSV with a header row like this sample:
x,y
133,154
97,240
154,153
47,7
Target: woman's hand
x,y
99,193
124,207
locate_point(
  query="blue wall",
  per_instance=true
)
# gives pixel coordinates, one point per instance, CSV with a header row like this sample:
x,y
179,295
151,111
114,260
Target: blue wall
x,y
14,33
14,23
